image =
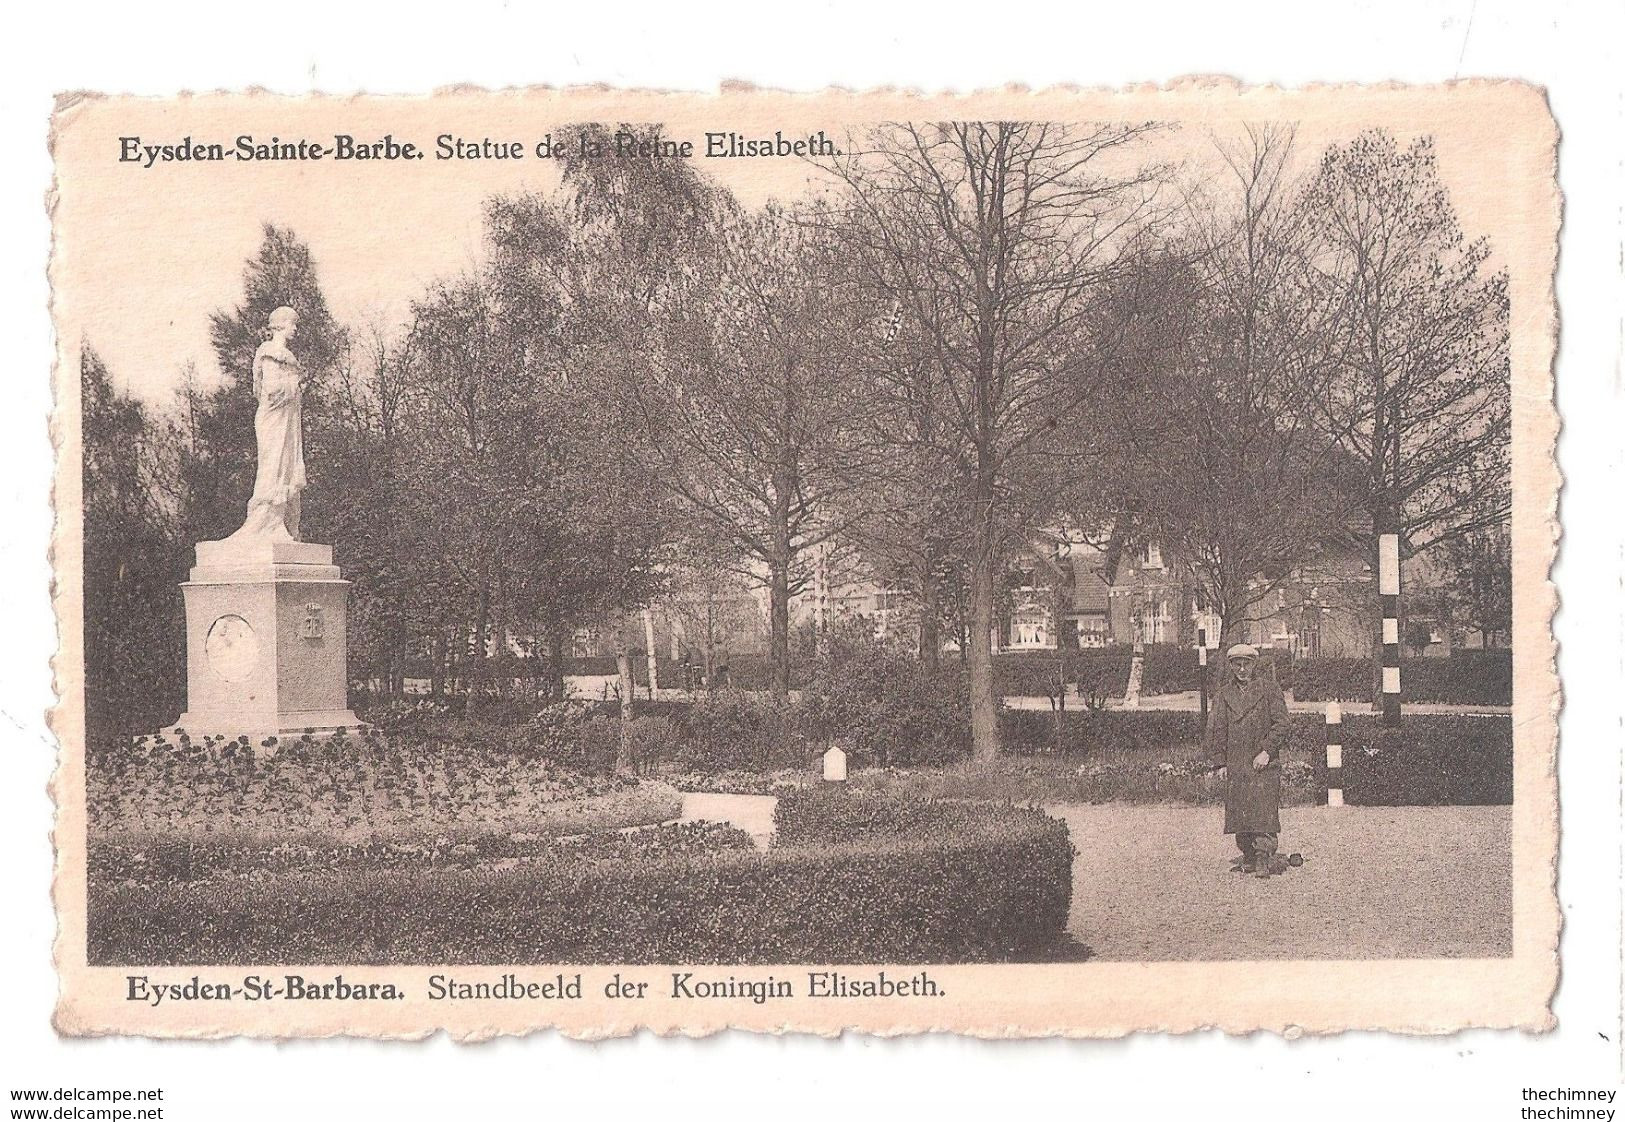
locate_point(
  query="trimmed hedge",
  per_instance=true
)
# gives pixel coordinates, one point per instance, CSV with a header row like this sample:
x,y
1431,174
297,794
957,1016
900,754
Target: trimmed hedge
x,y
1170,669
1098,732
1433,759
1332,679
958,884
1464,678
1097,671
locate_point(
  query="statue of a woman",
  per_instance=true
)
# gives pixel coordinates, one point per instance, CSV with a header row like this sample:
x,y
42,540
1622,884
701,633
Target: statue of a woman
x,y
273,509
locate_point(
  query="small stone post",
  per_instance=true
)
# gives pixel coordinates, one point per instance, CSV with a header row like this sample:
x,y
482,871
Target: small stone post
x,y
835,765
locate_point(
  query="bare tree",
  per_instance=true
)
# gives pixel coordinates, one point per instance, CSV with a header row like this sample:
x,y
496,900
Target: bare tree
x,y
993,237
908,492
1421,397
749,398
1229,467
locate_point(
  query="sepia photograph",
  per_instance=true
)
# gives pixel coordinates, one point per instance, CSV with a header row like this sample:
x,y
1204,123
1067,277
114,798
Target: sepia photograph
x,y
846,537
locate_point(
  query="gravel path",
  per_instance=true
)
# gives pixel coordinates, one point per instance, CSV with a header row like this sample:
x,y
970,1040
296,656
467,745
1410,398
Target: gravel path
x,y
1152,883
751,813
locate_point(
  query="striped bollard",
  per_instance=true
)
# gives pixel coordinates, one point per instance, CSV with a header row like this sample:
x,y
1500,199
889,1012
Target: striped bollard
x,y
1388,589
1334,754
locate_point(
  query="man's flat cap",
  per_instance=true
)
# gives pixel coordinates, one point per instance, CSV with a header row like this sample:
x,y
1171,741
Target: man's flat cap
x,y
1242,650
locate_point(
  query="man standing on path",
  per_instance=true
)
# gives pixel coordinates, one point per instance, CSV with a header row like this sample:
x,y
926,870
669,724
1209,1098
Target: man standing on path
x,y
1246,731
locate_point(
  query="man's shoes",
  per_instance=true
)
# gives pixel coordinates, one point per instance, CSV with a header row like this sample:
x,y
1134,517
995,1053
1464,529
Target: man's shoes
x,y
1242,867
1262,868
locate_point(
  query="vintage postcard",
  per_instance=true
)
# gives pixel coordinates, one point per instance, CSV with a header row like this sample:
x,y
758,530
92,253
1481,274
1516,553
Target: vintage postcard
x,y
1020,563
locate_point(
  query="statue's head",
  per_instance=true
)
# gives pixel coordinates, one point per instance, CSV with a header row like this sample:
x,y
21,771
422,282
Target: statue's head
x,y
285,320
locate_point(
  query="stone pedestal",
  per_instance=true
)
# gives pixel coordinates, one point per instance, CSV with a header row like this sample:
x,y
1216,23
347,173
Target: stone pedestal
x,y
265,641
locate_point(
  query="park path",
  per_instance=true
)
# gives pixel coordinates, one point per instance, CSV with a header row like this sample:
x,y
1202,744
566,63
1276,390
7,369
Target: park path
x,y
1152,883
751,813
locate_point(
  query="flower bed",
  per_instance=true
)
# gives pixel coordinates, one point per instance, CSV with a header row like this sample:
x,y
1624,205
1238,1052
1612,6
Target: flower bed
x,y
353,790
950,884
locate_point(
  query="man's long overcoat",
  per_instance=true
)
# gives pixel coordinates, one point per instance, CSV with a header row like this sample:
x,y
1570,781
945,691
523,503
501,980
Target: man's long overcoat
x,y
1241,722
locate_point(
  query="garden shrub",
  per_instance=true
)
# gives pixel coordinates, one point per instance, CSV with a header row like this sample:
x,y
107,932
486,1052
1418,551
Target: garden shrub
x,y
597,742
664,840
885,708
674,711
966,884
734,729
553,734
192,854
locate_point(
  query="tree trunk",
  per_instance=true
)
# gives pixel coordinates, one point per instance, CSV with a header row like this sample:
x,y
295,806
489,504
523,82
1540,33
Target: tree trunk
x,y
499,640
649,649
709,659
930,635
779,624
476,672
437,675
623,665
555,661
984,706
779,569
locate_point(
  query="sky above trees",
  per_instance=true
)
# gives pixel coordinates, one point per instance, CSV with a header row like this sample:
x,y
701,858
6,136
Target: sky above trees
x,y
380,233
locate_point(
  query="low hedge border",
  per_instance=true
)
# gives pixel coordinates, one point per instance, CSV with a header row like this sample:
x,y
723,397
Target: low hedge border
x,y
1432,759
1464,678
988,883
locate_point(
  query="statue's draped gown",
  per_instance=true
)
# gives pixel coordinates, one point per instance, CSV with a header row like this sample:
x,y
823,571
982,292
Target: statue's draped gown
x,y
278,429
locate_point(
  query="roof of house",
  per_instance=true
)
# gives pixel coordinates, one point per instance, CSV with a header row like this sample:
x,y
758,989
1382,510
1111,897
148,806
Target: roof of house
x,y
1090,588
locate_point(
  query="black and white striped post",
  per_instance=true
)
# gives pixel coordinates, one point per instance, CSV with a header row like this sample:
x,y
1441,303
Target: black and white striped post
x,y
1388,590
1201,662
1334,754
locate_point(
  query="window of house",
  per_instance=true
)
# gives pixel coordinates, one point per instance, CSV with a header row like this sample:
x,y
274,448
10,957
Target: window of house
x,y
1150,556
1029,629
1092,631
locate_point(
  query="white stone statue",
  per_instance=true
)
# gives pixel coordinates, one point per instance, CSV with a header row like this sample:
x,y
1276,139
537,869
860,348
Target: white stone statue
x,y
273,509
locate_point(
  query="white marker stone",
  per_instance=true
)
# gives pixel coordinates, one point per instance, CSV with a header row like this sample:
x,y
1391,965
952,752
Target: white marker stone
x,y
835,765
